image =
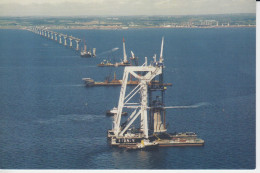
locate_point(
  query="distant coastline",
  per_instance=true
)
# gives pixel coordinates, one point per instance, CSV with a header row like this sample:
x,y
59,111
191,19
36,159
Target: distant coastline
x,y
131,22
126,28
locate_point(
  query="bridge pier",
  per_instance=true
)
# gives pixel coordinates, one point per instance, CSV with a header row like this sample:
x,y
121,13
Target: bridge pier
x,y
70,42
55,36
77,44
65,40
60,39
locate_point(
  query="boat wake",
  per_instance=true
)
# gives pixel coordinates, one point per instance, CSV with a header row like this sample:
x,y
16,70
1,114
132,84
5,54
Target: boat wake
x,y
201,104
70,85
71,117
109,51
76,85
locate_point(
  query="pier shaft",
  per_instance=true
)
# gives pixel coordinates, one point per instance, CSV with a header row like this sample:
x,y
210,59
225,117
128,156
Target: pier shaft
x,y
77,44
70,42
60,39
55,37
65,41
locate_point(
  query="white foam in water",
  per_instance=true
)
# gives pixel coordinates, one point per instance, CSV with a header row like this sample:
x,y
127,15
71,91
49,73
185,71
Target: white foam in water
x,y
109,51
76,85
71,117
114,49
201,104
70,85
190,106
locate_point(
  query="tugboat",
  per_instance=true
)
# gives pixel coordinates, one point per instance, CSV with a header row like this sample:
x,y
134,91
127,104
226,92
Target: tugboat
x,y
105,63
113,111
89,82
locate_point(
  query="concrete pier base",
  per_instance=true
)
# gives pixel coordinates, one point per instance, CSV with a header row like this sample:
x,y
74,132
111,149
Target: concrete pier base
x,y
77,45
60,39
65,41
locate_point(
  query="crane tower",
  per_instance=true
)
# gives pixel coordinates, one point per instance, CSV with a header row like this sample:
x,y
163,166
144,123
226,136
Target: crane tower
x,y
145,74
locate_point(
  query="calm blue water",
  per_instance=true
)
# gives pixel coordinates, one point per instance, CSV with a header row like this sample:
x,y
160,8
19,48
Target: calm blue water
x,y
48,119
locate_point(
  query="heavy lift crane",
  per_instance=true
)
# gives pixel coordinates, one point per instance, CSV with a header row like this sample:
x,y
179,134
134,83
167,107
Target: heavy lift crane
x,y
152,102
145,74
156,102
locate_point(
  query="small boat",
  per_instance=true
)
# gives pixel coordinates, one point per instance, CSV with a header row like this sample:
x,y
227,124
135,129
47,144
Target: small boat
x,y
89,81
113,111
105,63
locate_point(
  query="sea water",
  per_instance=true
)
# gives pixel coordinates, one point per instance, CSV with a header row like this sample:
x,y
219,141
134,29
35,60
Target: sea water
x,y
50,120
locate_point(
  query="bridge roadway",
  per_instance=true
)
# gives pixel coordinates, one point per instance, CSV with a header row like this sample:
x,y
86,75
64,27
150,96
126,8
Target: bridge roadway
x,y
54,36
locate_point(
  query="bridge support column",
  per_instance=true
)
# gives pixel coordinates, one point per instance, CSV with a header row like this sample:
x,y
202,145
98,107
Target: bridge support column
x,y
65,41
70,42
55,37
60,39
77,44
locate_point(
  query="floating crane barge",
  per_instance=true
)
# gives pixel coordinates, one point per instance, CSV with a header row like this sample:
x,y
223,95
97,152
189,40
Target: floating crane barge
x,y
90,82
152,130
87,54
125,62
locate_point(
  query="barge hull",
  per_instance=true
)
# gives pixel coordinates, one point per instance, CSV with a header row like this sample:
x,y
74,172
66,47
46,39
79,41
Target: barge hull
x,y
181,145
119,84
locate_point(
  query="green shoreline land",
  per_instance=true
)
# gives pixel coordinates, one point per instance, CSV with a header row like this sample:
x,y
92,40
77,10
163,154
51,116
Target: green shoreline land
x,y
128,22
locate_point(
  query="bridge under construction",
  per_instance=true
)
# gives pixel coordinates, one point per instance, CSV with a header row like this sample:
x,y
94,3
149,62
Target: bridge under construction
x,y
56,36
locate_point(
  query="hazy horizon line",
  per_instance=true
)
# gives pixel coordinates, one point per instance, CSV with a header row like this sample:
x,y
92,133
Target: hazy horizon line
x,y
31,16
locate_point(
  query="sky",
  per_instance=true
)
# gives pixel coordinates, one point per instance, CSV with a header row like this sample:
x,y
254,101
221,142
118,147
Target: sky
x,y
123,7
